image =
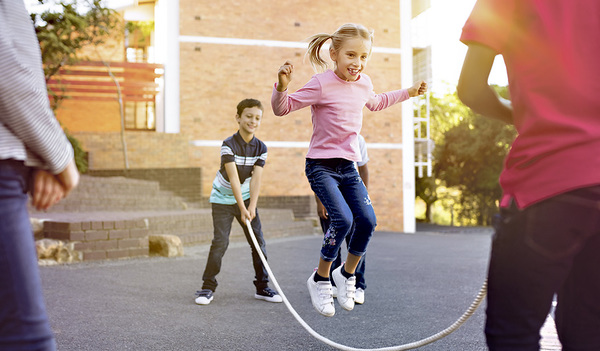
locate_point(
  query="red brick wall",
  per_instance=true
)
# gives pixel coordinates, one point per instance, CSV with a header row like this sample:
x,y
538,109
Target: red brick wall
x,y
89,116
144,150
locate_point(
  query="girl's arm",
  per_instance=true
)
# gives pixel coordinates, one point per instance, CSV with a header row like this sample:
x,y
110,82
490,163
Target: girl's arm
x,y
254,190
236,188
473,88
378,102
284,103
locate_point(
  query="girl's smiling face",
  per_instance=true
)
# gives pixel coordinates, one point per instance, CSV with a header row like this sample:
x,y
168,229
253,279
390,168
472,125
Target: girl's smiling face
x,y
351,58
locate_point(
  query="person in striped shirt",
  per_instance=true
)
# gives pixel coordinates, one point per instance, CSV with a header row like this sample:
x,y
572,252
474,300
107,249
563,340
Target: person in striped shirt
x,y
36,158
235,195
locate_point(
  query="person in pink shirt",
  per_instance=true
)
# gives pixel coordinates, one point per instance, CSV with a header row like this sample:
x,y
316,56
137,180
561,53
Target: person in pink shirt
x,y
547,239
337,98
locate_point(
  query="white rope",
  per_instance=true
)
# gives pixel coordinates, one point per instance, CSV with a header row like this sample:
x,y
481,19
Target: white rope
x,y
468,313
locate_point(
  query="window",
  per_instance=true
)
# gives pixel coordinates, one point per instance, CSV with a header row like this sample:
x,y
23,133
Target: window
x,y
140,115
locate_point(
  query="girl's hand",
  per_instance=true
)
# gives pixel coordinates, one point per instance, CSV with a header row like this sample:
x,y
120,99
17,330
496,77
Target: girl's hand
x,y
419,88
284,75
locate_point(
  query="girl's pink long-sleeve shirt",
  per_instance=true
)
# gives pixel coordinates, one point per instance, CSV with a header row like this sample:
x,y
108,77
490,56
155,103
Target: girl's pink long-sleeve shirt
x,y
336,107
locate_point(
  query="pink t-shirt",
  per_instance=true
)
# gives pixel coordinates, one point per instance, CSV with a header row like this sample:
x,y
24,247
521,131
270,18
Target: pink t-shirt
x,y
336,107
551,50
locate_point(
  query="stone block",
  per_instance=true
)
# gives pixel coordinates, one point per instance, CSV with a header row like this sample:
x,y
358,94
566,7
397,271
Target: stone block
x,y
165,245
59,251
37,226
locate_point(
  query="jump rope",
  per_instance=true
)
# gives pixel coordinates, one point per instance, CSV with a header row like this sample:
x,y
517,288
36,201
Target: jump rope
x,y
413,345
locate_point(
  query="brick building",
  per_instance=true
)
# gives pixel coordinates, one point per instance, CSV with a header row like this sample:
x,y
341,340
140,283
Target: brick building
x,y
216,53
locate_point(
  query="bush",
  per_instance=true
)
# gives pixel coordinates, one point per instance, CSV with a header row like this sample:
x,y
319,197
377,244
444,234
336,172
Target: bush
x,y
81,156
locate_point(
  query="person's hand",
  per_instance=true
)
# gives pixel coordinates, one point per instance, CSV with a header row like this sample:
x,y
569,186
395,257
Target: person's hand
x,y
246,215
47,190
419,88
252,212
284,75
69,177
321,211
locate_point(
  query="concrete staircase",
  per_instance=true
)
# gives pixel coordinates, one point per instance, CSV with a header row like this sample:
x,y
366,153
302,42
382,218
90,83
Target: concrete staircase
x,y
111,217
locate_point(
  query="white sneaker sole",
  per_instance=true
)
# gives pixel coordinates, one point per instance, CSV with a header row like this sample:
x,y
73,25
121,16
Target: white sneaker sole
x,y
274,299
203,300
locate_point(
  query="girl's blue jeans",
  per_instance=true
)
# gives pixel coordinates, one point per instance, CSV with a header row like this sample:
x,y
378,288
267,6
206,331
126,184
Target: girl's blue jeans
x,y
23,319
552,247
341,190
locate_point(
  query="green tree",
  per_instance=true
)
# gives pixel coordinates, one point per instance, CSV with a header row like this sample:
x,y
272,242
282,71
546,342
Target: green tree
x,y
426,190
470,158
63,31
446,112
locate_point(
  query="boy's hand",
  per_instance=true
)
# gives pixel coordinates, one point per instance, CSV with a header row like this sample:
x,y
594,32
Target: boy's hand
x,y
252,212
321,211
419,88
284,75
246,215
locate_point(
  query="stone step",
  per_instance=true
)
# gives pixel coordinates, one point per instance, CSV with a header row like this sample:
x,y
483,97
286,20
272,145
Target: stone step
x,y
117,194
120,184
108,202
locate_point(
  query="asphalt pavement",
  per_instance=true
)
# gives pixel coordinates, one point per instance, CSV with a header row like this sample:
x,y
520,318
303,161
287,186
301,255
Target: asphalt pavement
x,y
418,284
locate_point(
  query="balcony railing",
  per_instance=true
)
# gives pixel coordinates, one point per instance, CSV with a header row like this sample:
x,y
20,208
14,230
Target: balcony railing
x,y
138,83
90,80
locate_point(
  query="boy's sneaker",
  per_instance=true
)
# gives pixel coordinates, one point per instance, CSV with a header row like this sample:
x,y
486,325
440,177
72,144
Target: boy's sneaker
x,y
320,296
268,295
359,296
346,289
204,296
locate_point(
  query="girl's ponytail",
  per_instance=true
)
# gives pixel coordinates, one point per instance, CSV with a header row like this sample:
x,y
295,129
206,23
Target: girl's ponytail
x,y
314,51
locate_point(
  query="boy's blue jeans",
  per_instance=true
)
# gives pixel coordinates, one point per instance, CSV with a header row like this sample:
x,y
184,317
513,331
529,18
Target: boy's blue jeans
x,y
223,216
552,247
337,184
23,319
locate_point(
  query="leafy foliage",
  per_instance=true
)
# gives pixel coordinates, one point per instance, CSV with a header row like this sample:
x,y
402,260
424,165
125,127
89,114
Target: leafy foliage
x,y
470,158
445,112
62,32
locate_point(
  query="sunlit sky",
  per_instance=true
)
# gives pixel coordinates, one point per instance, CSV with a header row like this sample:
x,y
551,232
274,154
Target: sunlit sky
x,y
442,28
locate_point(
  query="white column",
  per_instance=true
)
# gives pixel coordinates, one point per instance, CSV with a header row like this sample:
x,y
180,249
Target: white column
x,y
168,11
408,139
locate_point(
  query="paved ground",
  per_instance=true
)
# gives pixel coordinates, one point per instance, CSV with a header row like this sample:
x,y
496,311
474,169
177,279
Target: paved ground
x,y
418,284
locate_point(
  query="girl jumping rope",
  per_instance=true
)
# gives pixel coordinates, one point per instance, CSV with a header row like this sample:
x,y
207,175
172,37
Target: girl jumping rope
x,y
336,99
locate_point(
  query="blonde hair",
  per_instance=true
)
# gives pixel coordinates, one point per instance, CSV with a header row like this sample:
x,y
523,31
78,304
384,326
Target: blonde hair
x,y
346,31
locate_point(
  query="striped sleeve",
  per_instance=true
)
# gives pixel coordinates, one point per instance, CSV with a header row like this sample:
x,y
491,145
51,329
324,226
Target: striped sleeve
x,y
28,129
261,159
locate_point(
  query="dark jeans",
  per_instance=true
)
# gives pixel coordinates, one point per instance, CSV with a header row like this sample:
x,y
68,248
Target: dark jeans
x,y
23,320
549,248
360,269
223,216
338,185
